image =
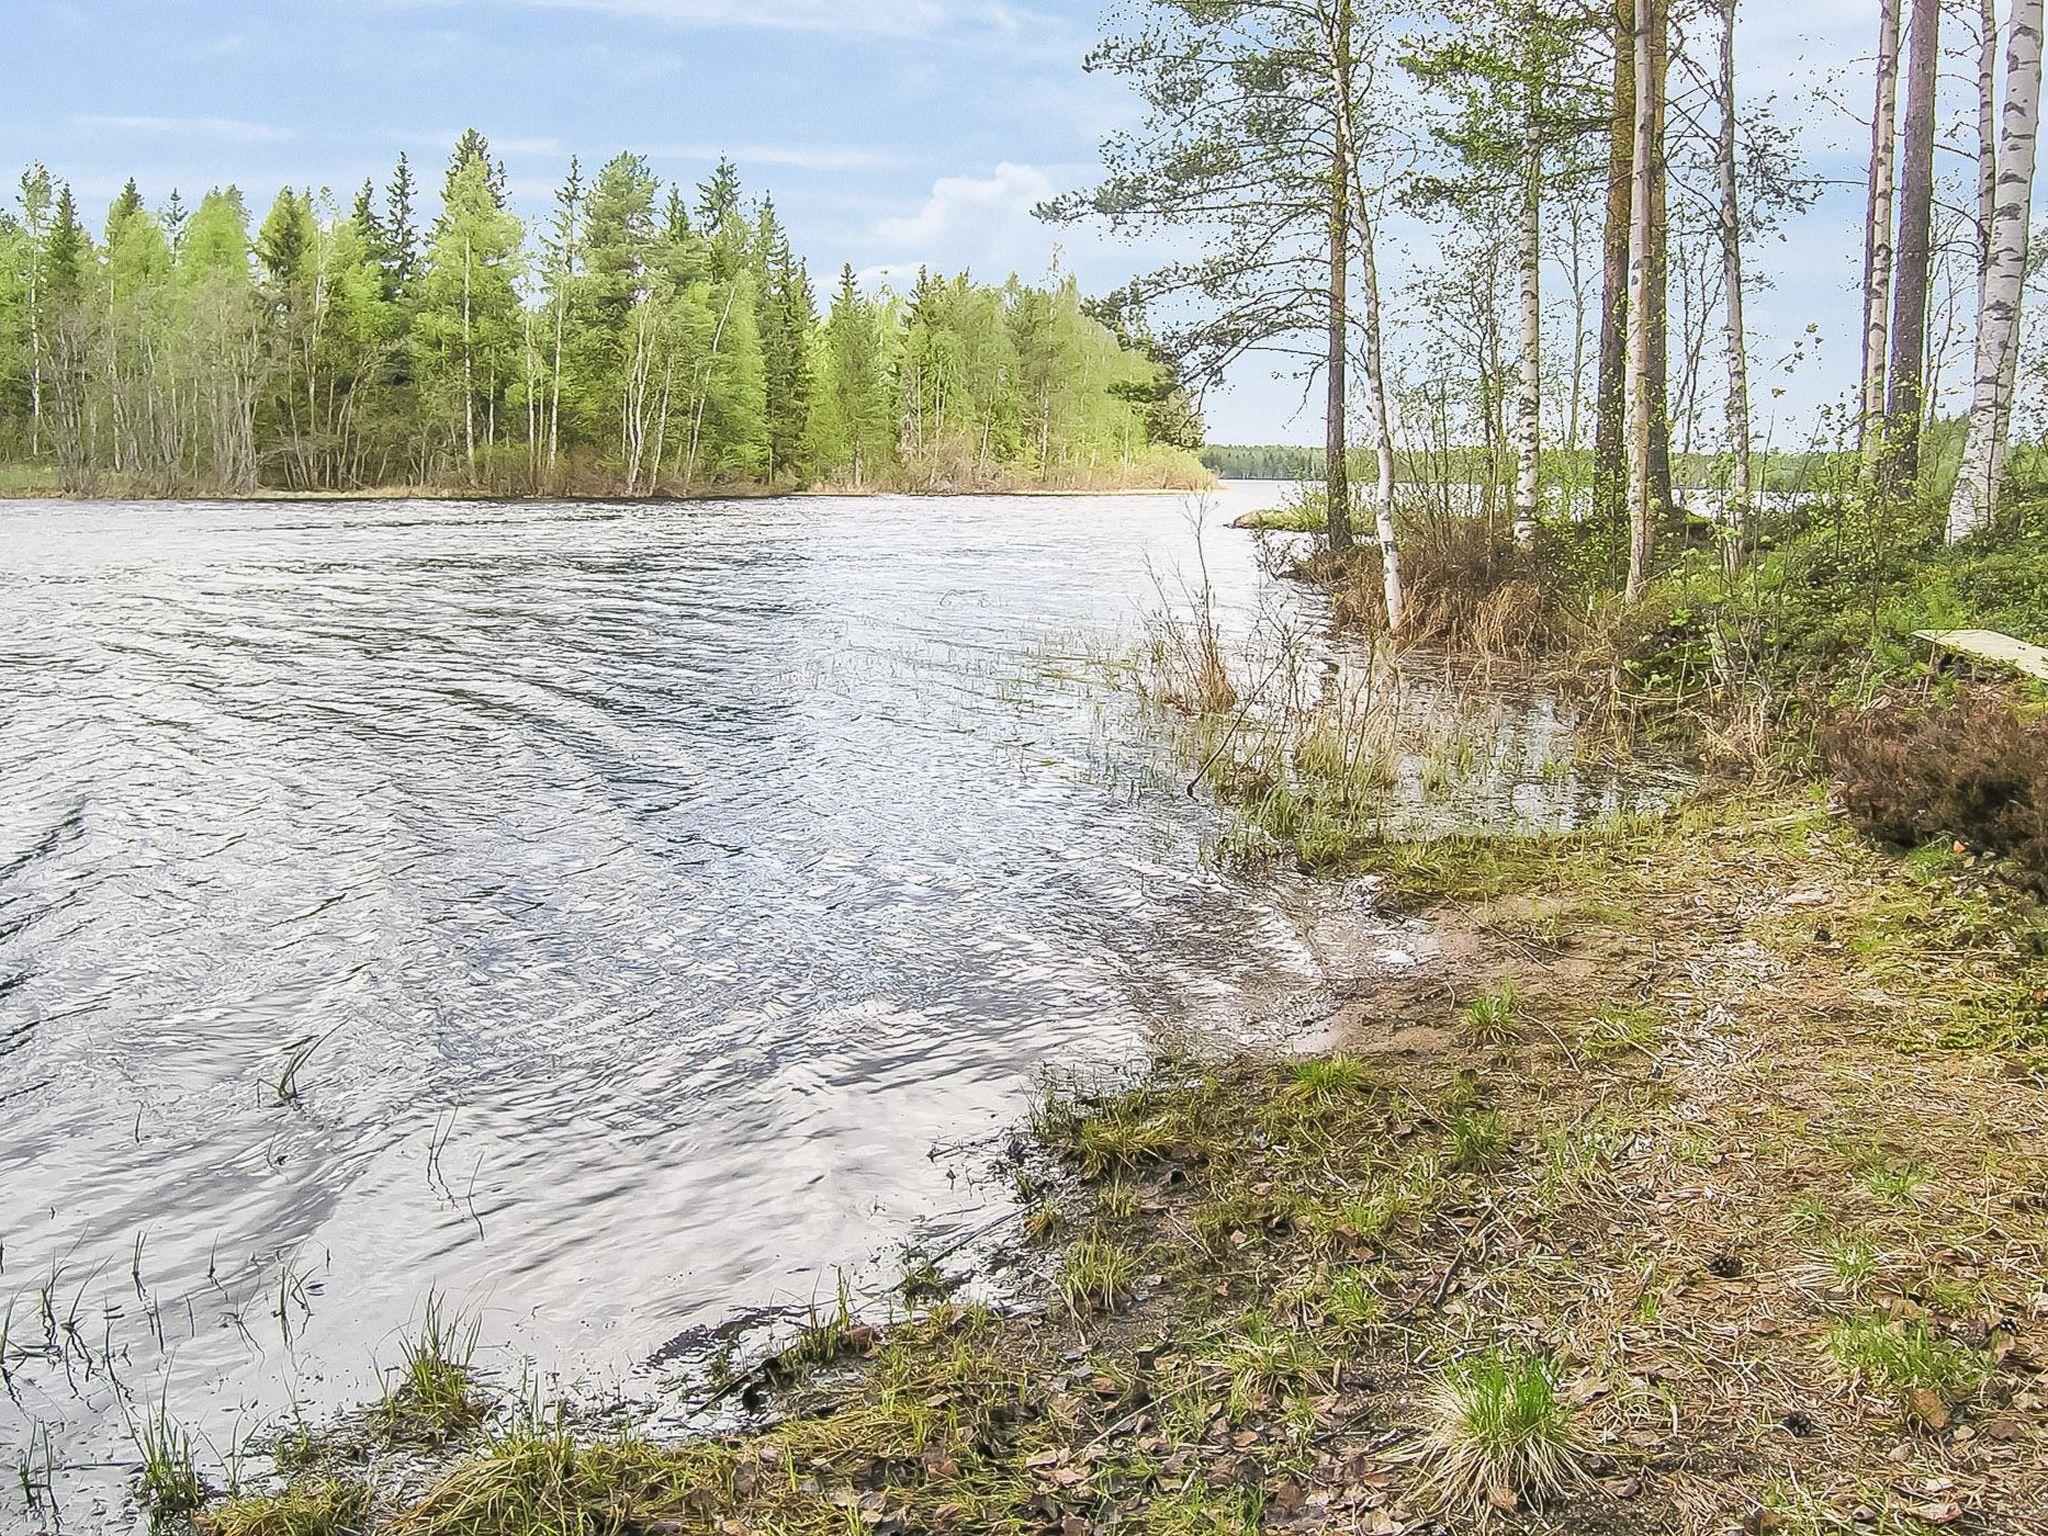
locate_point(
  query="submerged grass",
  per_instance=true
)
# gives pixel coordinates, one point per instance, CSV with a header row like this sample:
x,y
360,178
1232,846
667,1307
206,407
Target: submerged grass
x,y
432,1396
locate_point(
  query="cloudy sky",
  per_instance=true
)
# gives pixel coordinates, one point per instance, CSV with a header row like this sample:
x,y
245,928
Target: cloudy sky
x,y
891,132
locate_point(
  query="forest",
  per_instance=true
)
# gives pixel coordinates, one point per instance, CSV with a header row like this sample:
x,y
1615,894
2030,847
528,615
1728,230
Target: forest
x,y
636,341
1507,251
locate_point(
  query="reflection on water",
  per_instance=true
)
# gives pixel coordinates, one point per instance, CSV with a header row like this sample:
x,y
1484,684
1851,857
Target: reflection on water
x,y
643,893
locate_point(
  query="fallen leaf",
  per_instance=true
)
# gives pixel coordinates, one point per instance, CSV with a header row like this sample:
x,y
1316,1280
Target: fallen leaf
x,y
1927,1407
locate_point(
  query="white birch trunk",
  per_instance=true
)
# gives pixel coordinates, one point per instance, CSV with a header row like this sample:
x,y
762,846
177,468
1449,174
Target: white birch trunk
x,y
1987,138
1529,342
1975,500
1877,227
1741,507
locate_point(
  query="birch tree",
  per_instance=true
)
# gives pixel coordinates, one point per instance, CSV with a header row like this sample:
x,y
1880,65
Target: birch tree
x,y
1877,233
1975,499
1740,507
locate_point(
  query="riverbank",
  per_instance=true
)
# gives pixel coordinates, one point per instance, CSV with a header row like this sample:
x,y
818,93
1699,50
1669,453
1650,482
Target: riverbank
x,y
18,483
1701,1186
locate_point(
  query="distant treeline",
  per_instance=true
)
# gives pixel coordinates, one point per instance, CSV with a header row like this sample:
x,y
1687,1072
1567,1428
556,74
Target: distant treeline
x,y
1562,467
635,341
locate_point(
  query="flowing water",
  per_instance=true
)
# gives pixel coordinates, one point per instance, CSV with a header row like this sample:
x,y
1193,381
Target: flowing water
x,y
607,917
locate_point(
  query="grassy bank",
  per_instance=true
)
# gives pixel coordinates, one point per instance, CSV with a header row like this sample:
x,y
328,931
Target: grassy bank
x,y
1702,1186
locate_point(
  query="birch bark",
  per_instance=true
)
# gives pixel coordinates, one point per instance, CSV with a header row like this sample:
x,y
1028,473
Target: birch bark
x,y
1975,500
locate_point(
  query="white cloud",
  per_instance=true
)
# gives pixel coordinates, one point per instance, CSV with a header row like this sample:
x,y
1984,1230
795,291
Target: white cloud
x,y
980,222
186,127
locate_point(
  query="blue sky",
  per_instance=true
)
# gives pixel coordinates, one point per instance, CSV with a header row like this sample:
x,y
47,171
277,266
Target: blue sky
x,y
890,131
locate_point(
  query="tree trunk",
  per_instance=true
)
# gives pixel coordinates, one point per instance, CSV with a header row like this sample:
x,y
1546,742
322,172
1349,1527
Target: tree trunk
x,y
1987,139
1658,312
1529,341
1336,477
1610,453
1382,428
1740,509
1645,295
1975,501
1905,402
1877,234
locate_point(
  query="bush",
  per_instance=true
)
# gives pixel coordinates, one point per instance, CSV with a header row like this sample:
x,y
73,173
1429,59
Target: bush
x,y
1968,768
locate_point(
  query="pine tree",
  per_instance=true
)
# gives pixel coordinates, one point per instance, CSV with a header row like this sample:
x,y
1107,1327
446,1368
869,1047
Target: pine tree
x,y
398,253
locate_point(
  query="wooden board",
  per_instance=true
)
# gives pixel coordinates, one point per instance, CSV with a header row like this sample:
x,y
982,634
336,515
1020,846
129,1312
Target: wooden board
x,y
1989,645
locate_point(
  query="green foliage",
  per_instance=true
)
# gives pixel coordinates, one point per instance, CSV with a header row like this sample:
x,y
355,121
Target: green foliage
x,y
630,343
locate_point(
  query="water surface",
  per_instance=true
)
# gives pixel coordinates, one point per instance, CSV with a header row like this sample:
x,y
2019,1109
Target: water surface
x,y
653,900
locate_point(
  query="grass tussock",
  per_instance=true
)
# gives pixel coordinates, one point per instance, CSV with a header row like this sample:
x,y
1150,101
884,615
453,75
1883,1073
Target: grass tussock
x,y
317,1506
432,1396
1499,1431
170,1482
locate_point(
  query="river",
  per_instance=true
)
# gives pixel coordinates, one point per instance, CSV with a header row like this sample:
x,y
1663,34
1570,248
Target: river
x,y
604,916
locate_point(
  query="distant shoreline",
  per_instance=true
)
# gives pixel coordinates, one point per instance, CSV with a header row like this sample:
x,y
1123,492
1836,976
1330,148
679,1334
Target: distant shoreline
x,y
585,498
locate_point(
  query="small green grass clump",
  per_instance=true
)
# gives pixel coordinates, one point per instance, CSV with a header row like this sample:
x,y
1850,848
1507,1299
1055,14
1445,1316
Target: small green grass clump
x,y
1095,1276
170,1481
1621,1032
1329,1079
322,1506
1262,1359
1907,1356
1499,1424
1490,1017
1478,1140
435,1398
826,1335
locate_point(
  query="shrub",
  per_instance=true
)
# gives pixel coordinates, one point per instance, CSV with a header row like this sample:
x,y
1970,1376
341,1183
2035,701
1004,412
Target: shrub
x,y
1968,769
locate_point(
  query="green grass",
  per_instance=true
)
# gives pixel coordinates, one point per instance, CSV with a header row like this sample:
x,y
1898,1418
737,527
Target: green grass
x,y
1497,1422
434,1397
1490,1017
1478,1140
1095,1276
321,1506
170,1481
1330,1079
1304,517
1907,1355
1621,1032
1851,1258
